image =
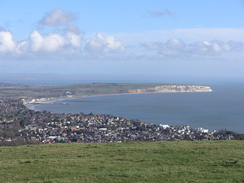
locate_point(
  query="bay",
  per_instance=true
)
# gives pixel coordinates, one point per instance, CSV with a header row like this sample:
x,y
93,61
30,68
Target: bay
x,y
221,109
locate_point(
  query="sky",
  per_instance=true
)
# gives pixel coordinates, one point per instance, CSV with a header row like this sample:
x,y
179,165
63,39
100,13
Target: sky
x,y
124,37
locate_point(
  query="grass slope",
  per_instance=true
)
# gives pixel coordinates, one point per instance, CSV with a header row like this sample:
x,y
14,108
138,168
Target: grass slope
x,y
175,161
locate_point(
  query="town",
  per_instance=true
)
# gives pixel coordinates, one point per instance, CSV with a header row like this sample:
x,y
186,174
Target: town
x,y
19,125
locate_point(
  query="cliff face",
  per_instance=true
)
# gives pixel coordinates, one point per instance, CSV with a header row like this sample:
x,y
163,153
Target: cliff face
x,y
174,88
183,88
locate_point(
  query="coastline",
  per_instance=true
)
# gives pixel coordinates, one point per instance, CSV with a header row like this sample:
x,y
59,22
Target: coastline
x,y
174,88
52,100
65,98
218,115
98,95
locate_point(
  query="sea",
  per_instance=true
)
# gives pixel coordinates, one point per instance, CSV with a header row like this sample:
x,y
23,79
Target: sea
x,y
223,108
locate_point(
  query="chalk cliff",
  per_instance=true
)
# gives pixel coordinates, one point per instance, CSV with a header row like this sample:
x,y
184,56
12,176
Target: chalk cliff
x,y
173,88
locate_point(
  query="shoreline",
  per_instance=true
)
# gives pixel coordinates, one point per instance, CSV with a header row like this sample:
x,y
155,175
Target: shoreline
x,y
172,88
99,95
66,98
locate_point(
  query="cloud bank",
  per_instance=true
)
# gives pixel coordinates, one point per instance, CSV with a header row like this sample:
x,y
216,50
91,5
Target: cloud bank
x,y
178,48
67,43
71,43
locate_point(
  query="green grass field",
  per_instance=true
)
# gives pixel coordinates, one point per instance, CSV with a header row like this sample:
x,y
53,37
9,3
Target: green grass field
x,y
174,161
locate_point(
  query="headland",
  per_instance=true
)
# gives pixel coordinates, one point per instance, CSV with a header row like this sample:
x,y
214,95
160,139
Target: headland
x,y
46,94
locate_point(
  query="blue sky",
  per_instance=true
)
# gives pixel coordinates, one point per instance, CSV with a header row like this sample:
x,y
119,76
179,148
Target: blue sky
x,y
156,37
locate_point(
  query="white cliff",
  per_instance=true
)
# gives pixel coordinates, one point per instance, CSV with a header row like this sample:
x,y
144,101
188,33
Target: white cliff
x,y
173,89
182,88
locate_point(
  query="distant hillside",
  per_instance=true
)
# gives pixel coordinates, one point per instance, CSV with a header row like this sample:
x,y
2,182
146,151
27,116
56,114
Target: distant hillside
x,y
20,91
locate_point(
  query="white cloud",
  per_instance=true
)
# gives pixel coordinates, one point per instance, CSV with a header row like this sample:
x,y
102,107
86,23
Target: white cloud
x,y
105,45
61,45
37,46
35,41
50,43
57,17
6,42
73,39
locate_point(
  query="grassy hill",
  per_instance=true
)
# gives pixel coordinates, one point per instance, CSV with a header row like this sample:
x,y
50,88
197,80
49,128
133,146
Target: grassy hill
x,y
172,161
76,90
21,91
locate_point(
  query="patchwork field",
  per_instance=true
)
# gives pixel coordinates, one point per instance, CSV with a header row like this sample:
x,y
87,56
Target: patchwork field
x,y
171,161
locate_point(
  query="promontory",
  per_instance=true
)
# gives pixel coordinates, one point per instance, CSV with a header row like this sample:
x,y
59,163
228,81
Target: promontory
x,y
39,94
